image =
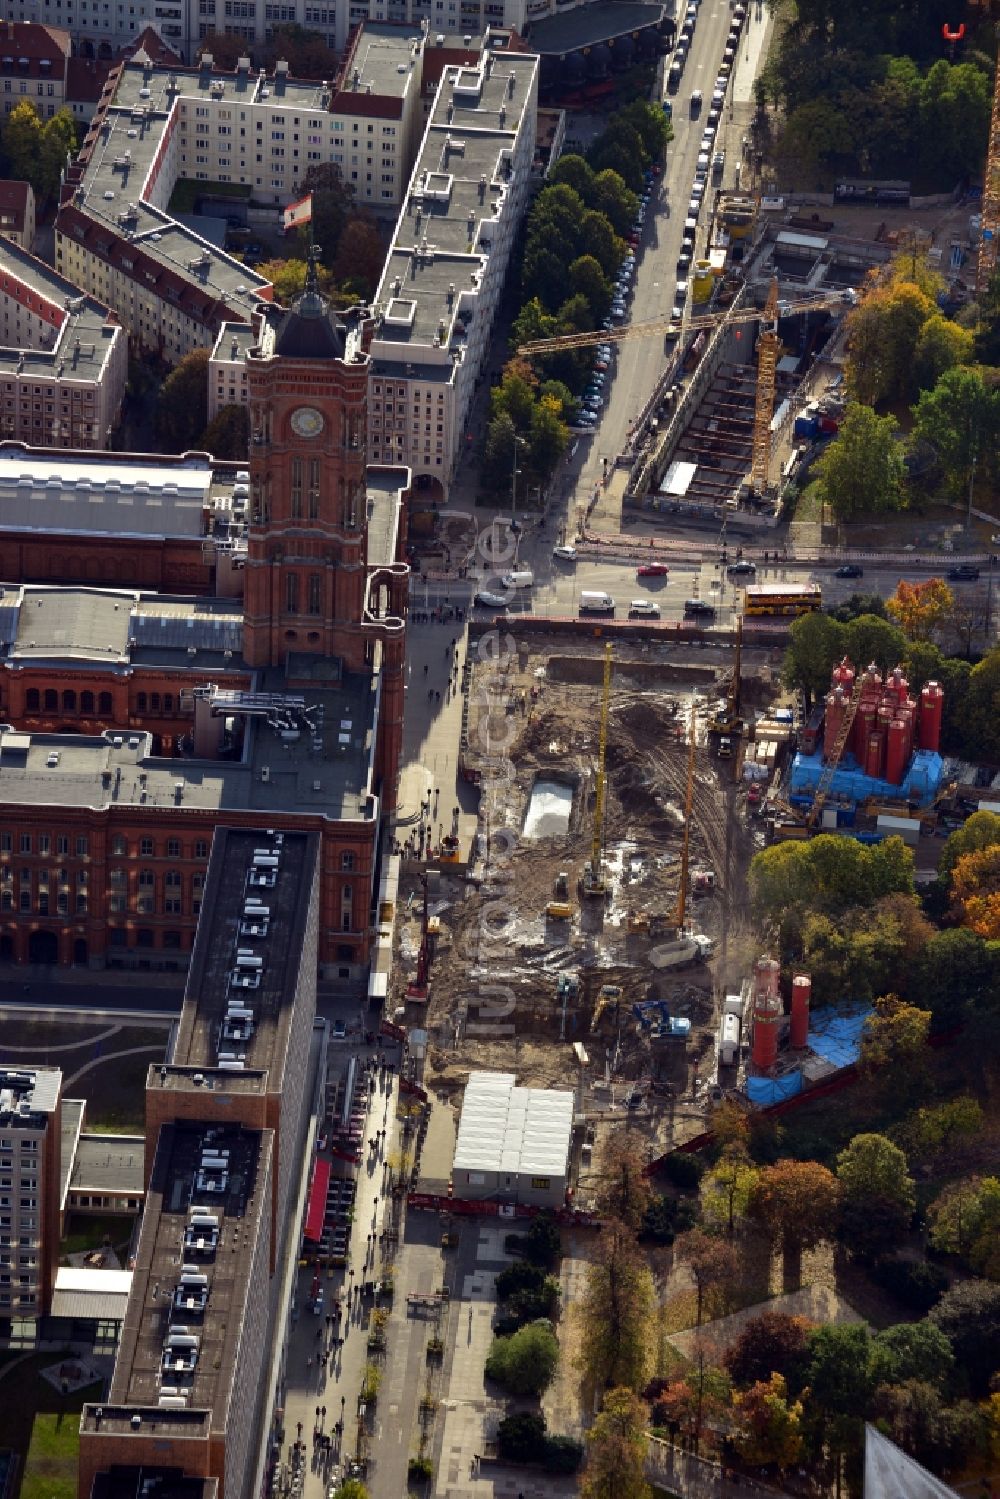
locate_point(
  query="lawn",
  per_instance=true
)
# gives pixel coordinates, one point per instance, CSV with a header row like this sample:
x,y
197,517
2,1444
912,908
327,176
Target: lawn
x,y
116,1091
84,1232
187,192
115,1087
26,1398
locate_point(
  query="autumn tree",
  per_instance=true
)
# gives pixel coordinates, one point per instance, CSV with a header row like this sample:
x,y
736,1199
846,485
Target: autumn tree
x,y
981,830
877,1195
182,405
623,1190
616,1450
894,1045
969,1316
975,892
861,472
921,608
771,1343
929,1132
965,1220
703,1393
360,257
288,277
725,1190
712,1264
797,1202
882,334
616,1313
769,1425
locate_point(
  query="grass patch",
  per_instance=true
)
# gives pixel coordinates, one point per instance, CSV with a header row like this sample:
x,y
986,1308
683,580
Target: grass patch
x,y
116,1092
24,1397
809,505
84,1232
187,192
50,1471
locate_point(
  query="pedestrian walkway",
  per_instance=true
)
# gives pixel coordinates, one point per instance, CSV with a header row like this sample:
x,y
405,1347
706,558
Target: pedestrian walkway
x,y
694,1477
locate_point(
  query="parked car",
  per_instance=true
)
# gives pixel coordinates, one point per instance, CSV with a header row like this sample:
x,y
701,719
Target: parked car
x,y
698,606
652,570
742,569
564,553
643,609
488,600
849,570
964,573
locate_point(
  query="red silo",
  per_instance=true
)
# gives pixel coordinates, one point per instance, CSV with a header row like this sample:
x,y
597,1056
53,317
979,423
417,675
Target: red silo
x,y
896,756
886,713
766,1023
843,674
801,991
836,707
873,756
864,725
898,685
931,705
874,677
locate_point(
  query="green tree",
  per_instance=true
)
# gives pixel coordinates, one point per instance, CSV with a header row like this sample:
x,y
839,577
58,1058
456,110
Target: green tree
x,y
616,1450
607,248
960,418
941,345
771,1343
182,405
616,1312
769,1425
576,173
548,437
797,1202
228,434
965,1220
651,125
526,1362
877,1195
816,644
981,708
954,113
839,1371
819,136
912,1350
883,332
331,204
957,972
981,830
22,142
543,274
619,148
928,1133
940,1436
861,471
894,1046
615,200
726,1189
587,279
360,257
869,638
351,1488
498,453
827,874
969,1316
856,605
57,143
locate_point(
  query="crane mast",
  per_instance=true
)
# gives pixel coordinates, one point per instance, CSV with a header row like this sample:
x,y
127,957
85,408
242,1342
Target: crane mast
x,y
767,365
990,220
593,875
686,840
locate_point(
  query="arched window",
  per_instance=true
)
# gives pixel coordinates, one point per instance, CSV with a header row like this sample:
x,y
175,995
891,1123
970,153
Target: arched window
x,y
140,702
86,702
119,846
296,488
314,484
154,702
292,593
51,700
69,702
104,702
315,593
32,699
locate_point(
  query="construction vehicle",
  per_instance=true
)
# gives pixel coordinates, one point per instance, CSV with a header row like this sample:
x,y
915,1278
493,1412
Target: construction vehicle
x,y
637,921
655,1018
562,885
728,725
593,881
559,910
609,994
702,881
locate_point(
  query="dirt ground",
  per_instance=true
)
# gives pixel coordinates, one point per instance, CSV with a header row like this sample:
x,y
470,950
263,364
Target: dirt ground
x,y
494,930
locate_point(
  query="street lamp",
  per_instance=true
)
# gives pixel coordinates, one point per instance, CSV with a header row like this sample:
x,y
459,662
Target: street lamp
x,y
519,442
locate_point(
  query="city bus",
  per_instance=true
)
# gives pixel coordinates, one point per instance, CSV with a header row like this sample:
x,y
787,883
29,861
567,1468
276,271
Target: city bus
x,y
782,598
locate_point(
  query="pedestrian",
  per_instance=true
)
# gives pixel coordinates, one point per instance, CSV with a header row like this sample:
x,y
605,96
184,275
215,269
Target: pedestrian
x,y
425,668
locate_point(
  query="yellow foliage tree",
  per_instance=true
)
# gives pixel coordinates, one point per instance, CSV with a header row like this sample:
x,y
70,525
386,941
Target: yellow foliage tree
x,y
921,608
975,891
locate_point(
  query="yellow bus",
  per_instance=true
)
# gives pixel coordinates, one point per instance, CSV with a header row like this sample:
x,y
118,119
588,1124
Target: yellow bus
x,y
782,598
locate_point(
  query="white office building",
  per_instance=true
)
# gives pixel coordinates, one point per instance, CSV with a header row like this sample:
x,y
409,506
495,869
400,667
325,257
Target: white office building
x,y
513,1143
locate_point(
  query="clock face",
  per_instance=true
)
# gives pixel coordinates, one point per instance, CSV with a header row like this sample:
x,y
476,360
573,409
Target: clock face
x,y
307,422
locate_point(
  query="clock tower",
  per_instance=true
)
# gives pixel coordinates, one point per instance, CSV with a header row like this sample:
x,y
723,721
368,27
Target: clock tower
x,y
307,548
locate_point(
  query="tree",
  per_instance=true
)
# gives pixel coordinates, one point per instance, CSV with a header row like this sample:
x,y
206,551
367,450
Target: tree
x,y
331,202
729,1124
975,892
969,1316
941,345
548,436
883,331
869,638
587,279
960,418
58,142
702,1393
921,608
616,1312
360,257
816,644
980,719
352,1488
828,874
619,148
22,141
228,434
526,1362
623,1190
771,1343
725,1190
576,173
769,1425
894,1045
981,830
182,405
797,1202
597,233
954,104
928,1133
877,1195
938,1435
861,471
712,1264
223,50
838,1373
965,1220
912,1350
616,1450
615,200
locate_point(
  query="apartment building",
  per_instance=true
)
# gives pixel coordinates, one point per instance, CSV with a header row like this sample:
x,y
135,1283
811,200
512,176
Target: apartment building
x,y
378,104
33,63
17,212
30,1162
444,275
227,366
63,357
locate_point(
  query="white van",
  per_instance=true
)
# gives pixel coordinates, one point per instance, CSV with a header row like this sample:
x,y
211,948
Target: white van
x,y
596,603
522,579
729,1041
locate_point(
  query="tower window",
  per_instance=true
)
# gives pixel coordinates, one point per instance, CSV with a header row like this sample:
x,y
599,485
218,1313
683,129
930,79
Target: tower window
x,y
315,593
292,593
314,478
296,488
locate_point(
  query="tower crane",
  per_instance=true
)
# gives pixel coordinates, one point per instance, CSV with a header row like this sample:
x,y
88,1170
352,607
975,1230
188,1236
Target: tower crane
x,y
990,210
593,873
768,345
680,910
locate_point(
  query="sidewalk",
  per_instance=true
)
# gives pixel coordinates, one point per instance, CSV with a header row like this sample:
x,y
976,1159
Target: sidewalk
x,y
695,1478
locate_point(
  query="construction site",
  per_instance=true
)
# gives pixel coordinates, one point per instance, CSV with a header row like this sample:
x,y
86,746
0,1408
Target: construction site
x,y
606,897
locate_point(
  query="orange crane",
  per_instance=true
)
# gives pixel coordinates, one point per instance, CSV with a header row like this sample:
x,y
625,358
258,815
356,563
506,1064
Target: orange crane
x,y
768,346
990,211
681,909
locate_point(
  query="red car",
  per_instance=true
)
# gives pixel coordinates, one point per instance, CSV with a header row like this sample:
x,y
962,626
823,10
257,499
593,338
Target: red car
x,y
652,570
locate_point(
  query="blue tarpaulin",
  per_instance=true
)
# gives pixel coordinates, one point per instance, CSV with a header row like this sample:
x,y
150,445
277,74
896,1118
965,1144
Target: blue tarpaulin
x,y
835,1035
767,1090
920,784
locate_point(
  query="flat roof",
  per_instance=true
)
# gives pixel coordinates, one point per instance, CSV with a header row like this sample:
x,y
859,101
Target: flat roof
x,y
271,948
459,186
125,1482
28,1096
234,342
221,1173
100,1295
70,1124
588,25
385,488
384,56
118,627
103,495
512,1130
107,1163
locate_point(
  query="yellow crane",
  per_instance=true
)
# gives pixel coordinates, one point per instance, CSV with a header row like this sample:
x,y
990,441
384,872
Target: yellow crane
x,y
681,908
990,207
593,874
821,302
768,346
